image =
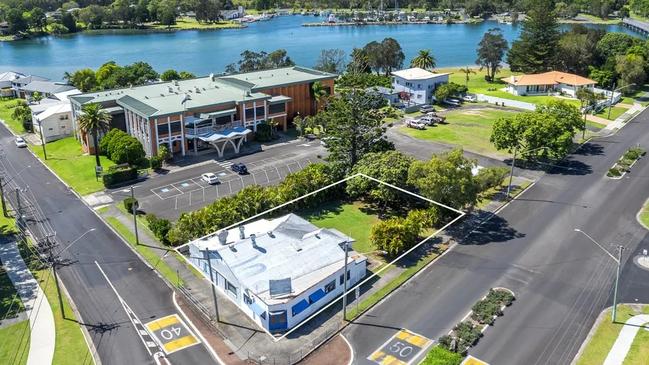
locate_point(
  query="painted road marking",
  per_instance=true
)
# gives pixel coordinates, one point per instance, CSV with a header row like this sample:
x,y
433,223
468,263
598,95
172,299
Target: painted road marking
x,y
400,349
172,334
470,360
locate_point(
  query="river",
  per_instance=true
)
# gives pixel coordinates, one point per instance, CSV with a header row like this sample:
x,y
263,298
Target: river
x,y
203,52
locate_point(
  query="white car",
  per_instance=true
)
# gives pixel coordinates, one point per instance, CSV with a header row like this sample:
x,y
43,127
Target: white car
x,y
470,98
411,123
20,142
210,178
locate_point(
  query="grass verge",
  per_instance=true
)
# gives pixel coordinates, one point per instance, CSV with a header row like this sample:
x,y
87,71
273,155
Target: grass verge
x,y
186,23
605,335
441,356
6,108
616,111
146,252
69,162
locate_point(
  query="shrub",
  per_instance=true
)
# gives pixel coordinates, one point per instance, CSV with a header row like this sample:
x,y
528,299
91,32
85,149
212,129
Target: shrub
x,y
264,132
491,177
613,172
106,141
163,152
130,204
467,334
446,342
114,177
127,149
485,310
502,297
441,356
395,235
159,226
155,162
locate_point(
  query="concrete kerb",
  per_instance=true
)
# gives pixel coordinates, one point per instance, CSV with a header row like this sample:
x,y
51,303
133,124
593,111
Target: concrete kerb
x,y
590,335
351,349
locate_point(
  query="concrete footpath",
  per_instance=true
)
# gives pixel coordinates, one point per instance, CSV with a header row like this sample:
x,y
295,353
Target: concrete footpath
x,y
41,318
624,340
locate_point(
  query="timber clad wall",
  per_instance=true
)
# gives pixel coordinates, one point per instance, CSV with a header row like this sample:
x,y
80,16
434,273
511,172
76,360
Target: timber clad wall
x,y
301,94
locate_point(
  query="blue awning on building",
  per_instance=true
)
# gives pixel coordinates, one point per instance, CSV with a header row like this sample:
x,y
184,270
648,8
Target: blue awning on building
x,y
256,309
316,295
300,306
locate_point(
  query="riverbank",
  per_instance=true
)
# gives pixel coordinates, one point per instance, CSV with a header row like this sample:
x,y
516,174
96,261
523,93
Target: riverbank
x,y
405,22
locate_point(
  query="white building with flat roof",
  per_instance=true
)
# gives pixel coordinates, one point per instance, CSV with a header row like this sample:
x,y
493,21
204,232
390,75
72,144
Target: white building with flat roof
x,y
417,85
278,271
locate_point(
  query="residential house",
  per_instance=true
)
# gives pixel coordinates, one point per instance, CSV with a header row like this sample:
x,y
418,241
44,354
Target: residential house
x,y
216,112
548,83
52,116
19,83
44,87
278,271
416,85
6,79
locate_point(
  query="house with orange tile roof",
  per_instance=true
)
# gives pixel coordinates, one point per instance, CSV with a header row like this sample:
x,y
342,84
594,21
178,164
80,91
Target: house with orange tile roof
x,y
547,83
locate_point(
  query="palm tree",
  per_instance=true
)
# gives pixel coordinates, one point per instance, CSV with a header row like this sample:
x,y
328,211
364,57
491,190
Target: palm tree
x,y
424,59
94,120
467,71
319,93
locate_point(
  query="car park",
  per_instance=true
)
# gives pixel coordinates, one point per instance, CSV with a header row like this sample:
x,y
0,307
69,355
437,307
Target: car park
x,y
210,178
411,123
239,168
20,142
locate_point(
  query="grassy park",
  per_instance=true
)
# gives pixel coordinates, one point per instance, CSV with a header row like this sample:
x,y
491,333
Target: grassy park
x,y
468,128
187,23
606,333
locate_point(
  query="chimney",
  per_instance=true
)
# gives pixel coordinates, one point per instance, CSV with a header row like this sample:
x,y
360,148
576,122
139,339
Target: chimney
x,y
242,232
253,238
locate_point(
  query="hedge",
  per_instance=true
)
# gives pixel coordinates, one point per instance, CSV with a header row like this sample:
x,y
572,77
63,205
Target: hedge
x,y
130,204
159,226
114,177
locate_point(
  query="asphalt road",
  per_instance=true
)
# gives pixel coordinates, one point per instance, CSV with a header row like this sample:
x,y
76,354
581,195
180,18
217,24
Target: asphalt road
x,y
101,312
561,280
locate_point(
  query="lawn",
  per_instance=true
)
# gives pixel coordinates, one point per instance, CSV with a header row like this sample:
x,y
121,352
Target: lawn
x,y
469,129
606,334
10,303
14,343
6,108
616,111
185,23
478,85
644,215
349,218
69,162
441,356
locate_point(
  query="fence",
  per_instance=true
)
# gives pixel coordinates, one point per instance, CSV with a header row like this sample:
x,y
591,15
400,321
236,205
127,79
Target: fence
x,y
506,102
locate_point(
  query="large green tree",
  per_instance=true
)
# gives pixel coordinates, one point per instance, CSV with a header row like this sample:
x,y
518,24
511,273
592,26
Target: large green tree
x,y
446,178
353,122
537,48
491,51
632,71
424,59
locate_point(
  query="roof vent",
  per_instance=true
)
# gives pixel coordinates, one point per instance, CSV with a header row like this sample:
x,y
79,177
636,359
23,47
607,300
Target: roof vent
x,y
253,239
242,232
223,237
197,89
161,94
212,77
175,82
271,234
171,89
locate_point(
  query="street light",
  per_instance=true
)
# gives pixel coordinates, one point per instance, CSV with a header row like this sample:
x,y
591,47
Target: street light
x,y
511,172
610,103
617,260
75,241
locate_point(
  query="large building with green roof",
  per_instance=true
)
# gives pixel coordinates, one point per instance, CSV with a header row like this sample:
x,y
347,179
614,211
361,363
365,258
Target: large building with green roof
x,y
217,112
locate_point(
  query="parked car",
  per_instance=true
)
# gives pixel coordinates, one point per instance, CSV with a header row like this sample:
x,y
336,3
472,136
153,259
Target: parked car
x,y
428,120
20,142
438,118
239,168
210,178
427,108
470,98
452,102
411,123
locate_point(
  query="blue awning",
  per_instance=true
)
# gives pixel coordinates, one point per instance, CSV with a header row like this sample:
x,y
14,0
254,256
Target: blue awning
x,y
316,295
300,306
256,309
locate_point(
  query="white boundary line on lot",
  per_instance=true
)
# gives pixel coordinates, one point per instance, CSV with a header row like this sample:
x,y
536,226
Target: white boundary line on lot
x,y
276,339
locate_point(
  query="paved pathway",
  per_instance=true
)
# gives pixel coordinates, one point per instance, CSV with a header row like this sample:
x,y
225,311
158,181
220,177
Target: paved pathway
x,y
625,339
41,319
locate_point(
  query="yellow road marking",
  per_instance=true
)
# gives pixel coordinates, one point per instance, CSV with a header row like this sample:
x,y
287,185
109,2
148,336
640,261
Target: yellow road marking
x,y
182,342
418,341
391,360
161,323
473,361
377,355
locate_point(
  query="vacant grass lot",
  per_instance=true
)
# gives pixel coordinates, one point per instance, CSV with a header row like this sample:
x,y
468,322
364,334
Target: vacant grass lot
x,y
469,129
77,169
352,219
606,334
478,85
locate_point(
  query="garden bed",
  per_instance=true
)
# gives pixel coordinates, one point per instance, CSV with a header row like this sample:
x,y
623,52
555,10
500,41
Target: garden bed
x,y
624,164
483,314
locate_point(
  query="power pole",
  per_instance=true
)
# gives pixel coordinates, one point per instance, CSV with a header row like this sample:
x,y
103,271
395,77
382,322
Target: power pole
x,y
209,266
134,211
40,131
345,282
52,258
620,248
2,198
511,172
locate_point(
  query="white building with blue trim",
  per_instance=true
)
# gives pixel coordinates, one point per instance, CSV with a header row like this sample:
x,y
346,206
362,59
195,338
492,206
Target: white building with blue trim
x,y
278,271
